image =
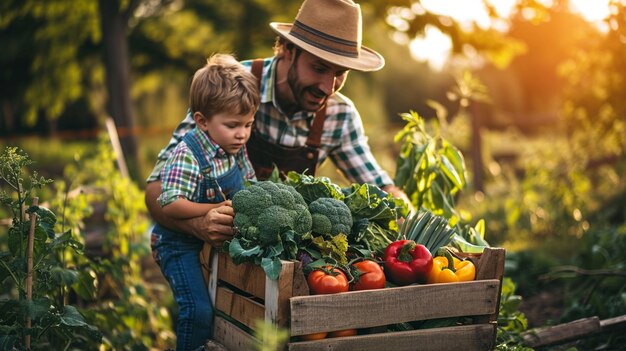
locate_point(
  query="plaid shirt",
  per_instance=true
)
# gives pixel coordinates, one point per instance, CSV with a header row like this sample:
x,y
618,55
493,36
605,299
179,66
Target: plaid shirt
x,y
343,139
181,172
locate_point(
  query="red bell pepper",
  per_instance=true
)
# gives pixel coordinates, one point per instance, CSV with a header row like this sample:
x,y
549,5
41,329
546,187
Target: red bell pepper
x,y
407,262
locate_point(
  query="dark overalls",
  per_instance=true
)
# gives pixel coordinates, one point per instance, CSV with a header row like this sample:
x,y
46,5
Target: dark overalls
x,y
177,256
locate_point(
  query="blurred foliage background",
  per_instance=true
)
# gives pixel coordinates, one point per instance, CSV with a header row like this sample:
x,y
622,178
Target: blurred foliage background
x,y
541,122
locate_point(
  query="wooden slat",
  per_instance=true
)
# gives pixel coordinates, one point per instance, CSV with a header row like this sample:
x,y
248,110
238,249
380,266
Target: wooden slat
x,y
277,294
231,336
246,276
491,264
312,314
300,286
562,332
466,338
212,286
612,324
240,308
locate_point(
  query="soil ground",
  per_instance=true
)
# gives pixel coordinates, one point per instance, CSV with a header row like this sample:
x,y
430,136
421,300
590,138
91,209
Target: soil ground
x,y
543,308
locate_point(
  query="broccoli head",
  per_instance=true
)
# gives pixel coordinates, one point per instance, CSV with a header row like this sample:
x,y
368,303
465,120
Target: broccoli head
x,y
269,209
330,216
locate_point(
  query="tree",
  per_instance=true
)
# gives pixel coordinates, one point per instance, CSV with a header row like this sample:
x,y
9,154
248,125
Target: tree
x,y
113,23
44,47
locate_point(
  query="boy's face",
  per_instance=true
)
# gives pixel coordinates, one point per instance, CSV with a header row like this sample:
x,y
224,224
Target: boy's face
x,y
229,131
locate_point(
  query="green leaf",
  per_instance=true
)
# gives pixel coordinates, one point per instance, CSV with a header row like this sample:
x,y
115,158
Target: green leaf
x,y
450,172
85,285
460,243
290,245
17,242
456,159
480,228
370,202
71,317
312,188
47,219
239,254
271,266
63,276
40,307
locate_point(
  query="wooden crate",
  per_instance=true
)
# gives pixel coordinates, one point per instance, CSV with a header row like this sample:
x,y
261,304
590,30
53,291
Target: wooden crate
x,y
245,294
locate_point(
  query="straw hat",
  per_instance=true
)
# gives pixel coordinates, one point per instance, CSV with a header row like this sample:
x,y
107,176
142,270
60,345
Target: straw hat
x,y
331,30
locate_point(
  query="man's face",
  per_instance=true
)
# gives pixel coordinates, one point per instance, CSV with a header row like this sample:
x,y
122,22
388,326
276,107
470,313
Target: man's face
x,y
312,80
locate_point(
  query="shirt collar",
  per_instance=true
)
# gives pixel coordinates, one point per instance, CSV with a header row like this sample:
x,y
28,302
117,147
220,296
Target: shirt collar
x,y
267,95
211,148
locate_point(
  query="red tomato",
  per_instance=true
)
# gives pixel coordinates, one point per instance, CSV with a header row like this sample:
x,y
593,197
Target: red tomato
x,y
327,281
371,276
340,333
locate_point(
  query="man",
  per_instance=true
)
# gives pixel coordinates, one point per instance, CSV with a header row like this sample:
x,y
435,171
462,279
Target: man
x,y
302,119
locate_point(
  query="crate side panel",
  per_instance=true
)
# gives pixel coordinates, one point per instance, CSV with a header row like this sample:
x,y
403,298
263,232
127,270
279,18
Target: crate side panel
x,y
240,308
466,337
491,266
231,336
246,276
312,314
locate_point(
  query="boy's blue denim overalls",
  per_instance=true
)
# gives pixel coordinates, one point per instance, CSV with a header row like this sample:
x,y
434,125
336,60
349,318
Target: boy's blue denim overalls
x,y
177,255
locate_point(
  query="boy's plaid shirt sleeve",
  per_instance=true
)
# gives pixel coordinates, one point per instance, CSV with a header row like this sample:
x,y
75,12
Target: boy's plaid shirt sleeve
x,y
179,176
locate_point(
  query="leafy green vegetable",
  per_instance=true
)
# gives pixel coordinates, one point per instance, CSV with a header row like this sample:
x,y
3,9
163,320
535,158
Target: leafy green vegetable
x,y
271,219
334,248
312,188
371,202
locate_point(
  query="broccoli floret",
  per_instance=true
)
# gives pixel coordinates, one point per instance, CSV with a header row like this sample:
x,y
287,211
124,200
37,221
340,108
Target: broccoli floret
x,y
272,222
303,220
251,201
271,209
330,216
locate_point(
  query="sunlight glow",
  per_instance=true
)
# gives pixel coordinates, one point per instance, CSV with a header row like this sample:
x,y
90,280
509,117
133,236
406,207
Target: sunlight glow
x,y
591,10
434,47
465,12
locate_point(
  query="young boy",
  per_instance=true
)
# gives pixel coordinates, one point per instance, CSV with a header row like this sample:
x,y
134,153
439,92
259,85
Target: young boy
x,y
204,171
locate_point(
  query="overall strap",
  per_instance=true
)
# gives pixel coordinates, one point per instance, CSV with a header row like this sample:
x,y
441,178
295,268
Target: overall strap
x,y
197,151
315,133
257,70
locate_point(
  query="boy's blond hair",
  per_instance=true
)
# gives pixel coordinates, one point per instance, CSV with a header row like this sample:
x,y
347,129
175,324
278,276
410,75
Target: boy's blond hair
x,y
223,85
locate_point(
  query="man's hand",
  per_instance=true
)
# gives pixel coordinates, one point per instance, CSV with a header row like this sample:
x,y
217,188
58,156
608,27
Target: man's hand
x,y
216,226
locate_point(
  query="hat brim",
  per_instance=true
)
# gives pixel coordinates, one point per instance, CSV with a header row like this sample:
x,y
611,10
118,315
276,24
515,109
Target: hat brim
x,y
368,60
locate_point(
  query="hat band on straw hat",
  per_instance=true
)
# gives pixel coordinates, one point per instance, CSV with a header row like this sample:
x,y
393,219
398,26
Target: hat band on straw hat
x,y
324,41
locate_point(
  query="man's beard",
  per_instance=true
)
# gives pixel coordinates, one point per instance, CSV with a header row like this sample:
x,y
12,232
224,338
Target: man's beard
x,y
299,91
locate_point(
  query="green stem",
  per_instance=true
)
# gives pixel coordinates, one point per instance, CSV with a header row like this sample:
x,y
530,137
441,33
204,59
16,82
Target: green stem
x,y
448,255
17,282
405,253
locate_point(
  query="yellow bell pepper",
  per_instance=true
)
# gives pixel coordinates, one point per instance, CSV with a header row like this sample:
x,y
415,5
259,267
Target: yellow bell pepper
x,y
444,272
